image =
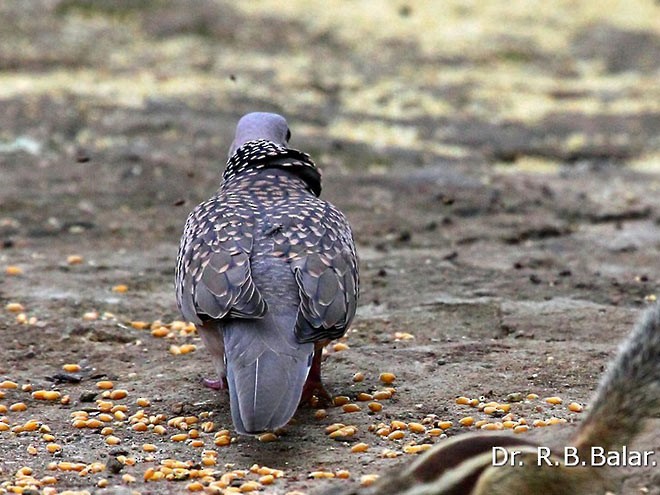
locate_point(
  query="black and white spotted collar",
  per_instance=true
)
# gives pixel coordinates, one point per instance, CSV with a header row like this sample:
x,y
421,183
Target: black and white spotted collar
x,y
260,154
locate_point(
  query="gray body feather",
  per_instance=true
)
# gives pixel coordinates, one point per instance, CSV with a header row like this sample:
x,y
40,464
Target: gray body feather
x,y
266,269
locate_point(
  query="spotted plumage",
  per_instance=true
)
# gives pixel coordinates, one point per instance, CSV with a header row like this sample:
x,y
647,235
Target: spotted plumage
x,y
267,270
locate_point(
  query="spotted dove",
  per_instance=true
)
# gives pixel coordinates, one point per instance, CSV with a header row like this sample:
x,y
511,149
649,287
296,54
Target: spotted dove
x,y
267,271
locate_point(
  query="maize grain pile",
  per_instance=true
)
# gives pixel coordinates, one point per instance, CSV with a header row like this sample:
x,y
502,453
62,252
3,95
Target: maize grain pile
x,y
143,435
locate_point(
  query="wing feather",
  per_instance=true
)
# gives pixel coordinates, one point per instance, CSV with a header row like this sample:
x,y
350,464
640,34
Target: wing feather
x,y
214,278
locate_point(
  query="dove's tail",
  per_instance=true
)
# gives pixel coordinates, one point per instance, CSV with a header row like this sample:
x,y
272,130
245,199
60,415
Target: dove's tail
x,y
266,371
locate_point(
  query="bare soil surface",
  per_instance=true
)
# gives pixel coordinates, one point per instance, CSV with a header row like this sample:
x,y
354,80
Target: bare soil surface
x,y
499,168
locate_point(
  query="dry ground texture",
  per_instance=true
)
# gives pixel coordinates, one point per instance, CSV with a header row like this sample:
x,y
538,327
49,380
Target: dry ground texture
x,y
498,161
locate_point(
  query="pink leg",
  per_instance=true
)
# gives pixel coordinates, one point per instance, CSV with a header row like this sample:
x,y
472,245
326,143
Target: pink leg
x,y
314,386
212,337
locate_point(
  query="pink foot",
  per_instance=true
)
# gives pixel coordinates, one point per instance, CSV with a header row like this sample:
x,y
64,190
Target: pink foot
x,y
215,384
313,388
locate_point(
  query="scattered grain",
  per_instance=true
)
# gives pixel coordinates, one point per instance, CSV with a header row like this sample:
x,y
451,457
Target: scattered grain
x,y
466,421
13,270
360,447
387,377
14,307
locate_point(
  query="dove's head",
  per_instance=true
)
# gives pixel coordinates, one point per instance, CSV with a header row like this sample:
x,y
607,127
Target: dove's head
x,y
260,125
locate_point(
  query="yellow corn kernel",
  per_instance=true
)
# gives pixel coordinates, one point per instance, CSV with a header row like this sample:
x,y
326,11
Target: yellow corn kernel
x,y
383,432
445,425
15,308
464,401
249,486
104,405
104,385
416,428
46,395
340,346
120,288
368,479
90,315
8,384
396,435
267,437
333,427
321,475
187,348
416,449
575,407
18,407
118,394
160,332
360,447
13,270
267,479
112,440
346,431
128,478
74,259
53,448
71,367
493,426
398,425
89,423
358,377
466,421
350,408
387,377
375,406
553,400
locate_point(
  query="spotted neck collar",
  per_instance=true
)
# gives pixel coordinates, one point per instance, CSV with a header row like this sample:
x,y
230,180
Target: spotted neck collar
x,y
261,154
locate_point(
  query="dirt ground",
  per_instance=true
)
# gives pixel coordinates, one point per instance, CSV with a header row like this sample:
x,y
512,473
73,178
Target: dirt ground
x,y
499,165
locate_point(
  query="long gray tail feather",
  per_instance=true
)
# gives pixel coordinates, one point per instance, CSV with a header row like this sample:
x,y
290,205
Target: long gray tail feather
x,y
266,371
